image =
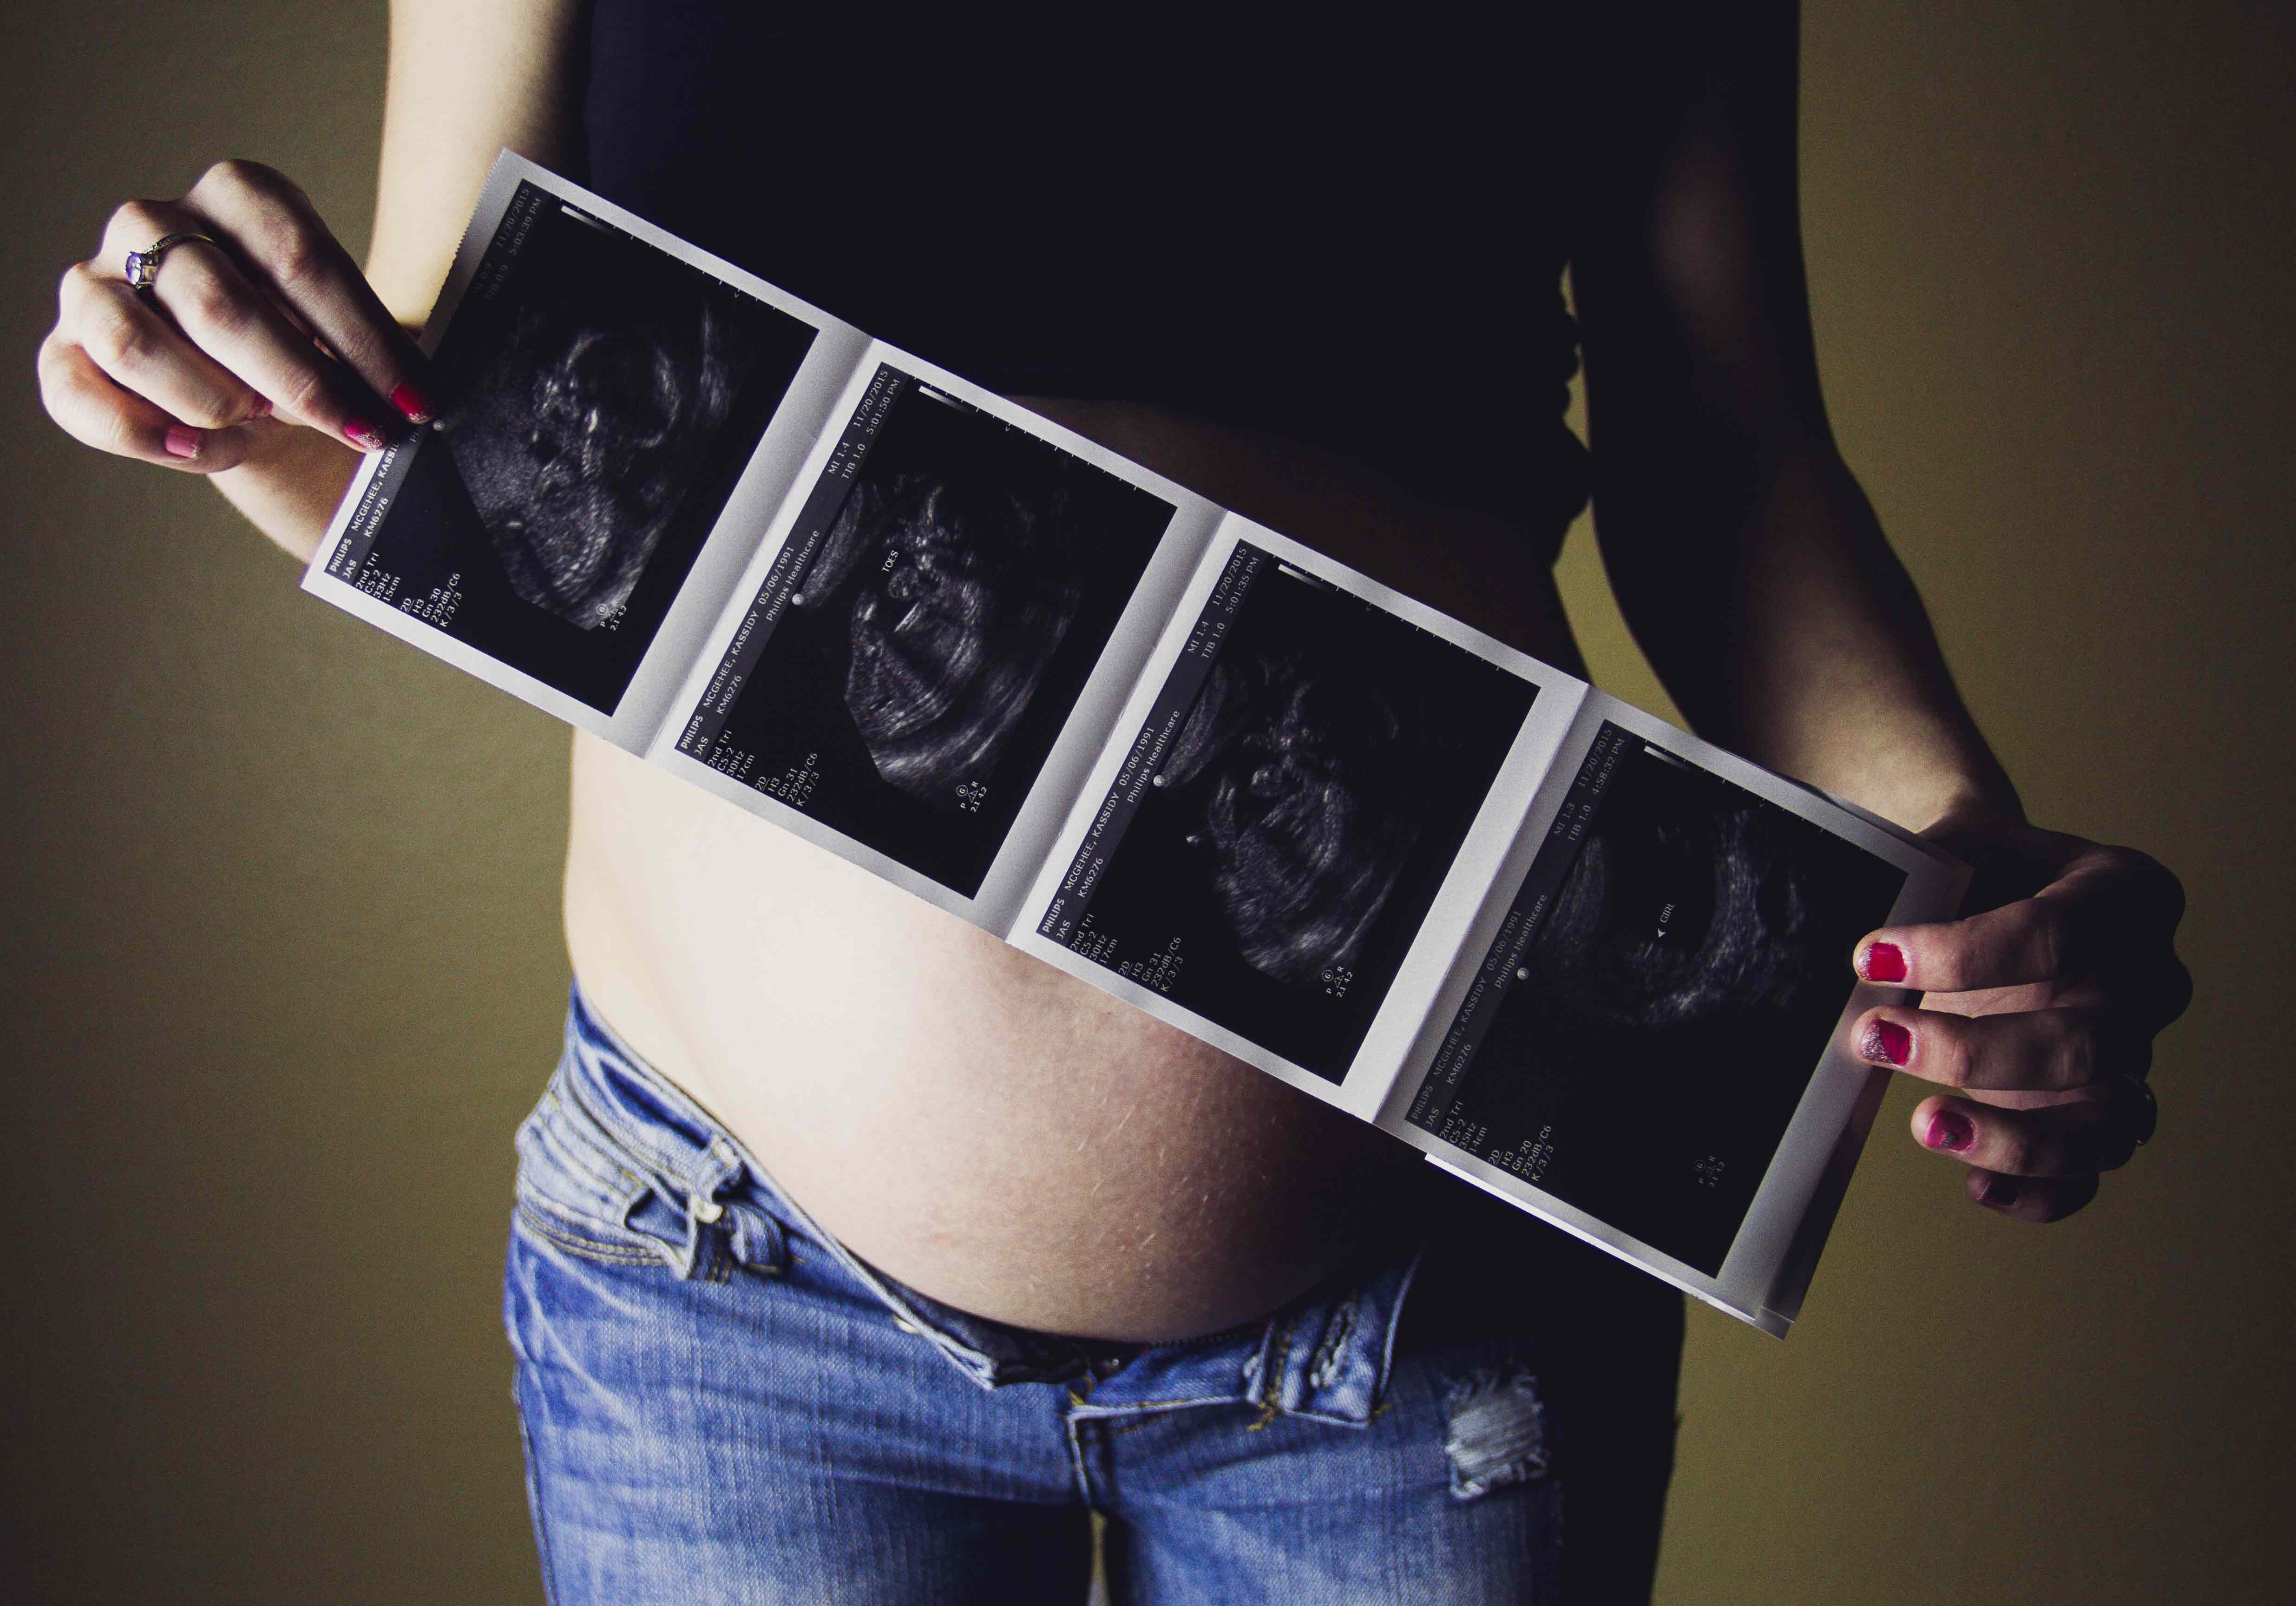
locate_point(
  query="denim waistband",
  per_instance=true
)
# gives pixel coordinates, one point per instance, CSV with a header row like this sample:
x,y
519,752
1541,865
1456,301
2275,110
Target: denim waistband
x,y
1323,1356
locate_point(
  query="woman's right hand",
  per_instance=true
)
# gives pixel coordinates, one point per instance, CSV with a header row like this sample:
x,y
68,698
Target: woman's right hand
x,y
273,328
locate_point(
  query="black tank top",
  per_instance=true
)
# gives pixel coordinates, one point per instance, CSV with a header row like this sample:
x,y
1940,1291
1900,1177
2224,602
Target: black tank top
x,y
1354,236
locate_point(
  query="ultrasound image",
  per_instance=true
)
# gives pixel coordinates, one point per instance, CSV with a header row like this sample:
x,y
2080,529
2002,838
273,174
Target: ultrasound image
x,y
1669,920
1301,777
1293,833
602,398
1655,1037
961,594
966,576
577,437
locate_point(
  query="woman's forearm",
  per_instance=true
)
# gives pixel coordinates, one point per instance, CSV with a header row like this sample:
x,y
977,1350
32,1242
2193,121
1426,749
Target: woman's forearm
x,y
1784,625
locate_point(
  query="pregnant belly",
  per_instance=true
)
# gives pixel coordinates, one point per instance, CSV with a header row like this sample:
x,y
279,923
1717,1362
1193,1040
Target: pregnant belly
x,y
975,1124
979,1125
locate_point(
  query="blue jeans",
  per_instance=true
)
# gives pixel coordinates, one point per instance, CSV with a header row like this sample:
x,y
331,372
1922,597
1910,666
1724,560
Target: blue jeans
x,y
721,1403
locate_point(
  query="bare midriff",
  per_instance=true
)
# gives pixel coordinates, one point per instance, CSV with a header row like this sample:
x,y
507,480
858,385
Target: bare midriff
x,y
988,1130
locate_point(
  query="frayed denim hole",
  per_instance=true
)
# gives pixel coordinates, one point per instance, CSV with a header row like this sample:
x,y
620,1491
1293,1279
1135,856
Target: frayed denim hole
x,y
1495,1431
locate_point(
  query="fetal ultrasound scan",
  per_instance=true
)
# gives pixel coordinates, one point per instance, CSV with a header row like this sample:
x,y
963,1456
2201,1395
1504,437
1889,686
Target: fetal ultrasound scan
x,y
1294,829
1653,1034
965,577
600,398
1299,780
578,437
955,598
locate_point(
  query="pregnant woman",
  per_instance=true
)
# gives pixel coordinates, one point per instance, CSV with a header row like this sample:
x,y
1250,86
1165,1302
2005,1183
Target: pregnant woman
x,y
860,1257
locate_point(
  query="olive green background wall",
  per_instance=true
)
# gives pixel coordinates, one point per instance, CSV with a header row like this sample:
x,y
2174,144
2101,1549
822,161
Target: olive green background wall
x,y
282,967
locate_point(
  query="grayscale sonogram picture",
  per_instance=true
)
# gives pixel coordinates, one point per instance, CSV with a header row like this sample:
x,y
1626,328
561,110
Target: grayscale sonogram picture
x,y
963,591
951,584
1647,1046
1306,817
578,436
1672,919
1326,759
602,400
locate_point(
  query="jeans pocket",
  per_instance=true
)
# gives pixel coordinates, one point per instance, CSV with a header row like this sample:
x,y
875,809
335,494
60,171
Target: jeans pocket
x,y
640,1185
579,1190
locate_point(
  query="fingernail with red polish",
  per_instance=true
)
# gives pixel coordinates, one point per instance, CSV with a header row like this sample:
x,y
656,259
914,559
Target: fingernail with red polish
x,y
1999,1190
1949,1129
1884,962
183,442
1886,1042
363,435
261,409
410,401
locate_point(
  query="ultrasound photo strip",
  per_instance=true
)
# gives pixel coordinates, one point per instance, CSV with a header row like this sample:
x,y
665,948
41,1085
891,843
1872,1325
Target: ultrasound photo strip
x,y
1374,853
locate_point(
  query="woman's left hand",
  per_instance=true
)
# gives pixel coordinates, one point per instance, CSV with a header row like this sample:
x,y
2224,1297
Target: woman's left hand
x,y
2039,1012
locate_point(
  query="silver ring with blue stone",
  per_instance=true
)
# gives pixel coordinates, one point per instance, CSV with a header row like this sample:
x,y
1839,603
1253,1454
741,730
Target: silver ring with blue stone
x,y
143,266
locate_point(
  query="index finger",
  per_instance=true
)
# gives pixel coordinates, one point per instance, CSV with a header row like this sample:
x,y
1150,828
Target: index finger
x,y
2103,897
281,237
